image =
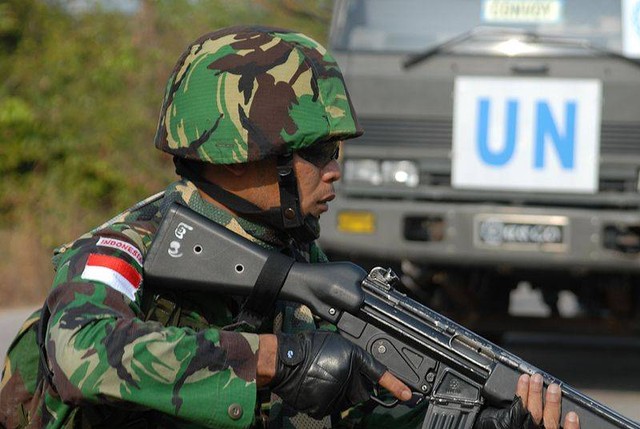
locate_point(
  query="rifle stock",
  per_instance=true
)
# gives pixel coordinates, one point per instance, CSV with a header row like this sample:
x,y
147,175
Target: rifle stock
x,y
454,369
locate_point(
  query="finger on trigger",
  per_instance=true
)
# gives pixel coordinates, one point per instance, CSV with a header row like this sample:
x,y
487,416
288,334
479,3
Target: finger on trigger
x,y
522,389
395,386
534,404
551,417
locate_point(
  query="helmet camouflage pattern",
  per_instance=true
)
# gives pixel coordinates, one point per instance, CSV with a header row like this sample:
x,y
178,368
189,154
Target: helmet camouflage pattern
x,y
242,94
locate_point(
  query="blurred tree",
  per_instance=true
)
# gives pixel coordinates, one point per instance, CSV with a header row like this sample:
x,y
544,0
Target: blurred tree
x,y
12,19
317,10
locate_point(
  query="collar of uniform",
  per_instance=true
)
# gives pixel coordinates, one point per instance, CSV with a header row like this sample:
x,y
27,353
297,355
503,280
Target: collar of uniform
x,y
185,192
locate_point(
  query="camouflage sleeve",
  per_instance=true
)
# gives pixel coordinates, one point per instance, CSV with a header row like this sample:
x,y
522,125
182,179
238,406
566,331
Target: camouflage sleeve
x,y
369,415
101,351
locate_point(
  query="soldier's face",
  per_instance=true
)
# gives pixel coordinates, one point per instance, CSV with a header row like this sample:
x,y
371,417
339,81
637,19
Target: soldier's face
x,y
257,182
315,184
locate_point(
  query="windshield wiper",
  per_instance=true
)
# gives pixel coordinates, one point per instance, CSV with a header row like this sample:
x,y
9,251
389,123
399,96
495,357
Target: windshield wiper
x,y
581,43
438,48
529,37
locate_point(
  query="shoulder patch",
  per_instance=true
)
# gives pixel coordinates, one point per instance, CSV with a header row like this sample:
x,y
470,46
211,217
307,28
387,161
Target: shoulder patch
x,y
123,246
114,272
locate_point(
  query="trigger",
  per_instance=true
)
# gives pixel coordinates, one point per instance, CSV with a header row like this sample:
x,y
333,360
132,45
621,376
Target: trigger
x,y
416,398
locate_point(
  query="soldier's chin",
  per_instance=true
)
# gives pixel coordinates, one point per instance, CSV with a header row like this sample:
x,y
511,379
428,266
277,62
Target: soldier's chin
x,y
321,208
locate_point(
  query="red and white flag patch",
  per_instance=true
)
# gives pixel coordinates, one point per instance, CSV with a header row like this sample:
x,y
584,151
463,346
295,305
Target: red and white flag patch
x,y
114,272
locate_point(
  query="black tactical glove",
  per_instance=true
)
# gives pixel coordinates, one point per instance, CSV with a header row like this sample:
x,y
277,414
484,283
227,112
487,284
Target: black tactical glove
x,y
514,417
320,372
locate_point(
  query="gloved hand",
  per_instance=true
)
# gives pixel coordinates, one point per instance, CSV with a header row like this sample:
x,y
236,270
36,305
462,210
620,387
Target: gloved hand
x,y
320,372
514,417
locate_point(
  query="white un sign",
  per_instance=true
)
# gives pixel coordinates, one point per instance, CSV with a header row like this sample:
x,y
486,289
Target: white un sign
x,y
526,134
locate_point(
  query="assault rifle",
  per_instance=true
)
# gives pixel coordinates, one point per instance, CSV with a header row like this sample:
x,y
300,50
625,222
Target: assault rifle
x,y
454,369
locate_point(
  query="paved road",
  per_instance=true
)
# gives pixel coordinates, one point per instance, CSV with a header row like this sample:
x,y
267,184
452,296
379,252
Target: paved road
x,y
605,369
10,321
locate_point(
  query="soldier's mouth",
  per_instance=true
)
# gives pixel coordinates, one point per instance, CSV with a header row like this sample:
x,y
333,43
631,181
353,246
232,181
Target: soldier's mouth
x,y
326,200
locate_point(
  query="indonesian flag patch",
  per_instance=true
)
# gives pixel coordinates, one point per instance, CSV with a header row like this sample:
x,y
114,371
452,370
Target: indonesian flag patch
x,y
114,272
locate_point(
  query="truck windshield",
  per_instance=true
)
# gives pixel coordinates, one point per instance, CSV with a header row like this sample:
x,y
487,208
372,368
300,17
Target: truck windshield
x,y
415,25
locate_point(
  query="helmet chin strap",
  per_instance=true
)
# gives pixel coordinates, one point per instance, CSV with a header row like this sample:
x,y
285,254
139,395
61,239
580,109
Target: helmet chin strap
x,y
287,218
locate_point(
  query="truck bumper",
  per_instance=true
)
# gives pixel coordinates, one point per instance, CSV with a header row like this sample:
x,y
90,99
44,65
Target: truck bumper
x,y
456,234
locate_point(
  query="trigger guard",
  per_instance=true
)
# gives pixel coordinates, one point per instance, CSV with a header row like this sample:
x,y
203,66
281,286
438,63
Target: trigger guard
x,y
416,398
382,403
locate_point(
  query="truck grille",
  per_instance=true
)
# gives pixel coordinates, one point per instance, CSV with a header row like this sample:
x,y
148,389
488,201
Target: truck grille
x,y
437,134
615,139
620,139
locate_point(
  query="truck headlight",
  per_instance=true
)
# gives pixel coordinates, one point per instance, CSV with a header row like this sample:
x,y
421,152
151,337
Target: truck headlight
x,y
362,171
400,172
374,172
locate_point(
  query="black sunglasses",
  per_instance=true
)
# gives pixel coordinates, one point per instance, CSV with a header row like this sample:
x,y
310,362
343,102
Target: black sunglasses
x,y
321,154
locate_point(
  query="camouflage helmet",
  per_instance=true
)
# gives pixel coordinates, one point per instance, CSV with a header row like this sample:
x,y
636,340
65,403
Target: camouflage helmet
x,y
245,93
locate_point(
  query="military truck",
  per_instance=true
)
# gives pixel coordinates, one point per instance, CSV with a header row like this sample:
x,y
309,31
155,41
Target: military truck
x,y
501,146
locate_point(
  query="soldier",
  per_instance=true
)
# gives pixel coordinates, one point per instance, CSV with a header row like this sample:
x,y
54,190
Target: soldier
x,y
254,118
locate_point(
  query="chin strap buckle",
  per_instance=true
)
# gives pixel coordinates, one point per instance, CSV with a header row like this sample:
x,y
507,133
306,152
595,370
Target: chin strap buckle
x,y
289,197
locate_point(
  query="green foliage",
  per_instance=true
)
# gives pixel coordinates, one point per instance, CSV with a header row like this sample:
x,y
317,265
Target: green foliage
x,y
80,95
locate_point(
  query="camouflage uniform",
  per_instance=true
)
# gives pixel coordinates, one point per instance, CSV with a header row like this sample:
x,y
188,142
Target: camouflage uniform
x,y
123,357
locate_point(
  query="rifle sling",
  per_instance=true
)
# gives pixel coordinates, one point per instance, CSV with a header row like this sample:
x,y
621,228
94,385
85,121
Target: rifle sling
x,y
261,302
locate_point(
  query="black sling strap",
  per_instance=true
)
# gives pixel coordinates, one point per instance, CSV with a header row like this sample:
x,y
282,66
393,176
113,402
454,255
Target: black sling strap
x,y
260,303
